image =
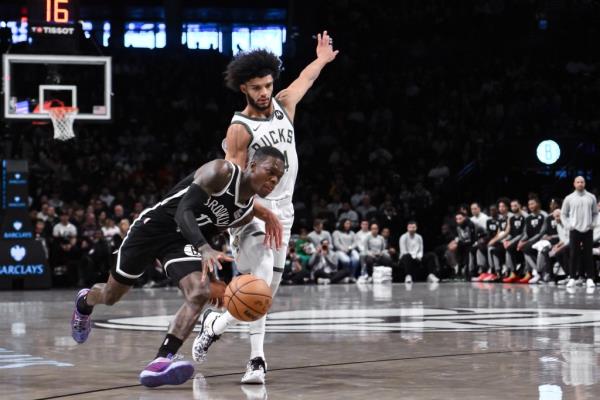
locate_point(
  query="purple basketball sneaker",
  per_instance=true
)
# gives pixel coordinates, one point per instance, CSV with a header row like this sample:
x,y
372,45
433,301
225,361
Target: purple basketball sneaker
x,y
166,371
81,324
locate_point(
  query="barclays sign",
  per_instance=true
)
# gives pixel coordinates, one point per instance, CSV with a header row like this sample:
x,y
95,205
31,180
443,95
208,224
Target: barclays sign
x,y
17,231
18,253
24,260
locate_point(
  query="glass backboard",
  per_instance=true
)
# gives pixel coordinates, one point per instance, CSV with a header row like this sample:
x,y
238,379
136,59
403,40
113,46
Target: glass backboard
x,y
33,83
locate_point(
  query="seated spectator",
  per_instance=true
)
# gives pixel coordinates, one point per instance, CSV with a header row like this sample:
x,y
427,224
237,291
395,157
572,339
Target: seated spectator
x,y
110,229
89,227
117,239
552,248
421,196
388,215
324,265
106,197
535,228
39,234
318,234
414,264
375,251
386,234
346,212
486,234
366,209
304,247
95,262
478,217
64,229
64,262
118,212
439,173
55,201
465,245
294,272
446,258
495,231
346,249
51,218
512,236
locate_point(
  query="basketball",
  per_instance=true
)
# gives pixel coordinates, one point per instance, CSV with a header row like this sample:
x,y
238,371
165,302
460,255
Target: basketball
x,y
247,298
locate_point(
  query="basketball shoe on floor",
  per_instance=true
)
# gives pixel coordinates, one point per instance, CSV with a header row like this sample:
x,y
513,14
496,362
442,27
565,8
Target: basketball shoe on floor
x,y
525,279
205,337
512,278
81,324
590,283
256,369
166,371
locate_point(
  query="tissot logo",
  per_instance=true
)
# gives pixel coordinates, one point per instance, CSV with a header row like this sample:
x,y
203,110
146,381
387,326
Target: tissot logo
x,y
396,320
53,30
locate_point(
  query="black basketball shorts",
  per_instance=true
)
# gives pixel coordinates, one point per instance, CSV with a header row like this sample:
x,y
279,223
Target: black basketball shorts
x,y
150,239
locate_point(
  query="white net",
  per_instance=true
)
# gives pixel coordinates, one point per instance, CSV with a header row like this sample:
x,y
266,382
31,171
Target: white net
x,y
62,120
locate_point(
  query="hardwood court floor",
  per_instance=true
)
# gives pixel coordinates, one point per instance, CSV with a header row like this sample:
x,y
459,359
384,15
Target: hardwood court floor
x,y
451,341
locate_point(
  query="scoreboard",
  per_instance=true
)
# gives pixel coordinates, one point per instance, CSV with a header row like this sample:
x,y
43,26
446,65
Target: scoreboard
x,y
58,11
53,25
54,12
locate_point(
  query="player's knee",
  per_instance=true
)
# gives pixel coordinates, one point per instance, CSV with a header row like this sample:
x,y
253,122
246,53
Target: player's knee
x,y
198,294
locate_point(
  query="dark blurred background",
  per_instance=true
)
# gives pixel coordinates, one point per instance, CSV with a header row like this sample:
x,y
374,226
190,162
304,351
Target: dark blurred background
x,y
430,104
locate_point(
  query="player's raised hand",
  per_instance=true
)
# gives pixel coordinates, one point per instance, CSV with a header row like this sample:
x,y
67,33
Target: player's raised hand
x,y
325,47
211,258
273,232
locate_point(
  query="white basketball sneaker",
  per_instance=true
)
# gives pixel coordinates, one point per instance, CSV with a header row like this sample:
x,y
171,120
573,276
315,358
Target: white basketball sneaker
x,y
256,369
205,337
590,283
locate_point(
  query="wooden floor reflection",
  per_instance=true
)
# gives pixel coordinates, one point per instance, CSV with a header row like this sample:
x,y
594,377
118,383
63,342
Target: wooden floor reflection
x,y
448,341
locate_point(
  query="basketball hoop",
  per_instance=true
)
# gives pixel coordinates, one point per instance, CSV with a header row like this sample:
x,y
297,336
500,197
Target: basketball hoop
x,y
62,120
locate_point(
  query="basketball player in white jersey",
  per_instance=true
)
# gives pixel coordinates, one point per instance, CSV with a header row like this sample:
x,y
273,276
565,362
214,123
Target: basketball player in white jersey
x,y
266,121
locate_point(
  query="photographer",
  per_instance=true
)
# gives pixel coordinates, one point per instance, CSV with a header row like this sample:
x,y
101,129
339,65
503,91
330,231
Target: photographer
x,y
324,265
294,272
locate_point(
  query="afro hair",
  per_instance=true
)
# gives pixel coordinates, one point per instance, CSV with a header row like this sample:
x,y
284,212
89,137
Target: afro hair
x,y
249,65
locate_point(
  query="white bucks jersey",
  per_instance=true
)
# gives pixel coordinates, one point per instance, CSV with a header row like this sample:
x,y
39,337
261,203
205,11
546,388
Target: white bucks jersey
x,y
276,131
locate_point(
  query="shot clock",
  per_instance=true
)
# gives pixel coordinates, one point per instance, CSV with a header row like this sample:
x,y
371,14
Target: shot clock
x,y
53,25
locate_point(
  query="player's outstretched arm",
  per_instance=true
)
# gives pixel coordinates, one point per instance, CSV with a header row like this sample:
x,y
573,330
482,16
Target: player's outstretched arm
x,y
292,95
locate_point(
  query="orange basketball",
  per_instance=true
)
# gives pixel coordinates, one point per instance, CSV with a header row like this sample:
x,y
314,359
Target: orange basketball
x,y
247,297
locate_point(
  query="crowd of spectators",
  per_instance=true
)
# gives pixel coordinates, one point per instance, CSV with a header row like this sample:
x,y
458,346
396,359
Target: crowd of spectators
x,y
454,114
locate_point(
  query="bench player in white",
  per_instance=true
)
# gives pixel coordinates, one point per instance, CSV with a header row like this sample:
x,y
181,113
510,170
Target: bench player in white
x,y
261,246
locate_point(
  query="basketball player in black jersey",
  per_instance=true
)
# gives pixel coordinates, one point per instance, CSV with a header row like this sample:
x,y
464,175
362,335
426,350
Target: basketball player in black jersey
x,y
495,247
514,232
535,228
176,231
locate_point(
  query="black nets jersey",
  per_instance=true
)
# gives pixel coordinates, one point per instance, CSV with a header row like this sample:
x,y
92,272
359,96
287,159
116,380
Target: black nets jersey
x,y
517,225
220,210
